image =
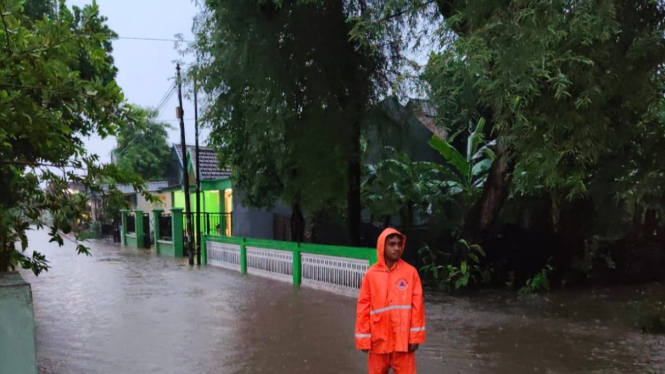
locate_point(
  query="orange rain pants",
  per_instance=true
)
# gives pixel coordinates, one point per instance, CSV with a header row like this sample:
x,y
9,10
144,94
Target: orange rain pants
x,y
401,362
390,313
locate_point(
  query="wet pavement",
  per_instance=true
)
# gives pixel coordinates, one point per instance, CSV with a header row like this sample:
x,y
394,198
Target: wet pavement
x,y
126,311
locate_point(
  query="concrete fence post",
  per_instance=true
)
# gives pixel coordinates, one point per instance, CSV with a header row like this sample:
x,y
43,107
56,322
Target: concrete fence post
x,y
138,225
243,257
297,265
123,228
204,249
156,214
177,234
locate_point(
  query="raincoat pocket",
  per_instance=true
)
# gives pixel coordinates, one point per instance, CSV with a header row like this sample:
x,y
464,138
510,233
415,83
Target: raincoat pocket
x,y
378,334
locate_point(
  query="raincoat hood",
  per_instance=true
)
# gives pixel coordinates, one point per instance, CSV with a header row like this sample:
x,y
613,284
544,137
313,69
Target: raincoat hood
x,y
381,244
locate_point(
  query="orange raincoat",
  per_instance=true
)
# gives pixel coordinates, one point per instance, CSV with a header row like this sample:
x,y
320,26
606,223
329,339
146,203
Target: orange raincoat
x,y
391,312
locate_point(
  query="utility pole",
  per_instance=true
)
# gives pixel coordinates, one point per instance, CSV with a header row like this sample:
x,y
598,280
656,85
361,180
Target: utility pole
x,y
185,175
198,173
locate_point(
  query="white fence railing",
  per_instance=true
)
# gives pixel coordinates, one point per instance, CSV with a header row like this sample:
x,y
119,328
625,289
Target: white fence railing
x,y
224,255
336,274
270,263
335,269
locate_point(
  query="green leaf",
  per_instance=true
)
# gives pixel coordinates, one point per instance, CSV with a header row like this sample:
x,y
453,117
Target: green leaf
x,y
481,167
474,258
478,249
451,155
475,139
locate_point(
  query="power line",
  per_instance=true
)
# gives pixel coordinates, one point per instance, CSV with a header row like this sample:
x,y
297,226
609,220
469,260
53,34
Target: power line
x,y
154,39
166,101
34,164
172,119
168,89
167,96
260,43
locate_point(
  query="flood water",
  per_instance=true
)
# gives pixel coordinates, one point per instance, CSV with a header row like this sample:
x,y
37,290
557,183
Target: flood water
x,y
125,311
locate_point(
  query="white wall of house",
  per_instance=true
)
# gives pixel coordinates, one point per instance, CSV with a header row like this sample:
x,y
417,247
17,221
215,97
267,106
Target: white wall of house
x,y
146,206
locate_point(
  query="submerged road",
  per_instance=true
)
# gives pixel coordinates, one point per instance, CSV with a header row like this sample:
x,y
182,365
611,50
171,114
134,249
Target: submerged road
x,y
126,311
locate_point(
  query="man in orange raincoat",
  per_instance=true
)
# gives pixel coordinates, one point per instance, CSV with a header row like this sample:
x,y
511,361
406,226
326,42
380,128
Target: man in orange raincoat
x,y
390,319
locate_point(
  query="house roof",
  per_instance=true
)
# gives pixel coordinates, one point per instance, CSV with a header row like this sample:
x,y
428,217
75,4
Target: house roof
x,y
76,186
426,114
421,110
128,189
210,169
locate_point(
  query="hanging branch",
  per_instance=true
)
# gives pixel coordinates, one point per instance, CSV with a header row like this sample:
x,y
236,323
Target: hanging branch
x,y
4,22
403,11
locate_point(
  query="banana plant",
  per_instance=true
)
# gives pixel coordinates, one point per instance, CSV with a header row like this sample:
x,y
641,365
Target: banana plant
x,y
397,186
468,172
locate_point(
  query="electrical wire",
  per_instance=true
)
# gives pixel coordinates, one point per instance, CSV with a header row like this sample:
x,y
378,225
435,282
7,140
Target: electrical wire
x,y
167,96
166,101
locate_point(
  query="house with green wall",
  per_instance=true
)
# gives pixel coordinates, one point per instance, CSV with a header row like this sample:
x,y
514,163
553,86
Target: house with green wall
x,y
405,128
216,190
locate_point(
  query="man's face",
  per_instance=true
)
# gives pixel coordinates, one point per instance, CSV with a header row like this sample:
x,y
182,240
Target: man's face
x,y
393,250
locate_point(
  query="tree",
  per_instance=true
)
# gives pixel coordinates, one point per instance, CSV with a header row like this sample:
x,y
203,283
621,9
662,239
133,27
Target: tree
x,y
572,93
552,96
36,9
289,90
562,99
56,86
112,204
142,145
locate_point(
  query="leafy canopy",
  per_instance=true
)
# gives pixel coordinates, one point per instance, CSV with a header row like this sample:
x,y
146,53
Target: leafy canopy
x,y
142,145
287,89
57,86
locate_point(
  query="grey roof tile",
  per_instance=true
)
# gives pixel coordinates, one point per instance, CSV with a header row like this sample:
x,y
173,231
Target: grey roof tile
x,y
210,169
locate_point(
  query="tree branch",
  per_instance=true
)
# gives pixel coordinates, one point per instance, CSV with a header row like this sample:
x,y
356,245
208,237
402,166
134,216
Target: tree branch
x,y
4,22
397,14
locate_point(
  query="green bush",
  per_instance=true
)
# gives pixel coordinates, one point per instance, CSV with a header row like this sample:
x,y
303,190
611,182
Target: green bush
x,y
460,274
540,281
96,230
86,234
649,316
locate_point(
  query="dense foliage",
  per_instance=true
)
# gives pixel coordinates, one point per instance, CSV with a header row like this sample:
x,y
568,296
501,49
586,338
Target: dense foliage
x,y
287,91
572,93
142,145
565,96
57,86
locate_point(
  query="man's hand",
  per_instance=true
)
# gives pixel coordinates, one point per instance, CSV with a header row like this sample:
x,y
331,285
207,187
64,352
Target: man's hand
x,y
413,347
365,350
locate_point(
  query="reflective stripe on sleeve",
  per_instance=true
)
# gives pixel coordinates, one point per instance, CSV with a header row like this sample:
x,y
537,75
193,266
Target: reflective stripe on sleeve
x,y
417,329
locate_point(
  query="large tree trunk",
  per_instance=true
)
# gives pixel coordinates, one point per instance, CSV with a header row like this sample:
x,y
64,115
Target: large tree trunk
x,y
353,203
297,224
495,192
4,258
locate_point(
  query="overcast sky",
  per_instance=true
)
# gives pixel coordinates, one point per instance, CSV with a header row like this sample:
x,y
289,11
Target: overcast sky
x,y
146,68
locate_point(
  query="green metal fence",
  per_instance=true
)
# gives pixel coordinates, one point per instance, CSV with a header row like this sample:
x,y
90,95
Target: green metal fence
x,y
167,235
331,268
